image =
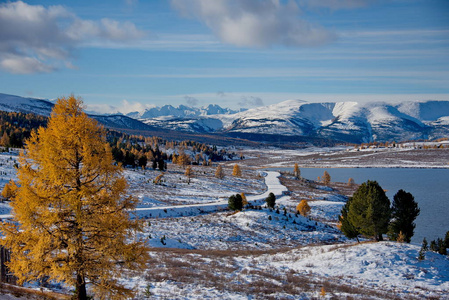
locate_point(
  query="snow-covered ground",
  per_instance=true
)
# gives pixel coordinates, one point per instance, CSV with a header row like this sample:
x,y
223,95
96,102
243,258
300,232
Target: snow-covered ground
x,y
201,250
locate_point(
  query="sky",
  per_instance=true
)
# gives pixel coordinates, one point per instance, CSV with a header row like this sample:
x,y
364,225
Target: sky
x,y
128,55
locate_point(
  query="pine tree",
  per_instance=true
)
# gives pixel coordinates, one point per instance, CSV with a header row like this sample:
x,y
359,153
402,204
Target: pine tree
x,y
423,250
297,171
403,213
71,219
369,210
346,227
326,178
219,173
303,208
441,246
235,202
271,200
236,172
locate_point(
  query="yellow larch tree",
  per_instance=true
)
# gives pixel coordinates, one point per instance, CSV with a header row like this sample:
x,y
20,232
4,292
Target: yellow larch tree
x,y
326,178
297,171
9,190
303,208
244,200
71,214
189,173
351,182
219,173
236,172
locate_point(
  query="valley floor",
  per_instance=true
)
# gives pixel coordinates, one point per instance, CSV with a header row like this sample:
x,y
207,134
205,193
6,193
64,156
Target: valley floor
x,y
200,250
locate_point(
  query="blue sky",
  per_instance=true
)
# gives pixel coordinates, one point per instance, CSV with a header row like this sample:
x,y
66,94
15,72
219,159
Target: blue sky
x,y
125,55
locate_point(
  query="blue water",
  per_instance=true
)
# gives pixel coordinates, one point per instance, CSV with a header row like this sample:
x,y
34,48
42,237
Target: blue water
x,y
430,187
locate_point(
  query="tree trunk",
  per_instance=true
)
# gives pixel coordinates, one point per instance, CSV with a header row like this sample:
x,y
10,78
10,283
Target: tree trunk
x,y
80,290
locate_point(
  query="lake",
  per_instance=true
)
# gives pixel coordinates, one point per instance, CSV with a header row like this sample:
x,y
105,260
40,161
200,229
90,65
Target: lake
x,y
430,187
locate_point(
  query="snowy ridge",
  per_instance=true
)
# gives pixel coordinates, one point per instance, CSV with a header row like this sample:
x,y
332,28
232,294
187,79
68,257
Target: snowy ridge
x,y
10,103
181,111
340,121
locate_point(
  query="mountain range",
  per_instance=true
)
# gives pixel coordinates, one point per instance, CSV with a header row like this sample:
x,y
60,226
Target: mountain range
x,y
291,120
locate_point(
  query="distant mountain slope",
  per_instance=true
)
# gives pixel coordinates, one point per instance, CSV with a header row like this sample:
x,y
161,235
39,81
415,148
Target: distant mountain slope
x,y
181,111
10,103
348,121
291,120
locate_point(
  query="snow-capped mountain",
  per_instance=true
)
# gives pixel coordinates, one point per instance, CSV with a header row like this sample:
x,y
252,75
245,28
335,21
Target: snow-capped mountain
x,y
348,121
339,121
182,111
10,103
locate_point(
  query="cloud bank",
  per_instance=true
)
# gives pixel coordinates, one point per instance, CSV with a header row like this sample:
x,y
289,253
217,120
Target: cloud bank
x,y
255,23
34,38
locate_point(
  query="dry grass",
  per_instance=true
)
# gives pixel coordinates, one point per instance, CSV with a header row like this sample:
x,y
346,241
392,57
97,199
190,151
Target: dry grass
x,y
220,270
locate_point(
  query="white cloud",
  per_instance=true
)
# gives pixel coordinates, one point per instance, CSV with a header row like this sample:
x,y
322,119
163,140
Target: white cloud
x,y
34,38
124,107
339,4
250,101
23,65
191,101
255,23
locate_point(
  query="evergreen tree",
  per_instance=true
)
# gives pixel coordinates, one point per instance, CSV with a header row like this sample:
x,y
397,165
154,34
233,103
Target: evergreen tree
x,y
71,218
271,200
303,208
369,210
346,227
423,250
142,161
403,213
441,246
235,202
236,172
433,246
219,173
446,240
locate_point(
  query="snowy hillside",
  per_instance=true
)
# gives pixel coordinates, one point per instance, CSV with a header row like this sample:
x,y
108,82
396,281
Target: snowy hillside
x,y
10,103
181,111
339,121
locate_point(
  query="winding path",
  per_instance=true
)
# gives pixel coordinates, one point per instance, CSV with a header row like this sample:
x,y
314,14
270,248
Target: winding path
x,y
271,181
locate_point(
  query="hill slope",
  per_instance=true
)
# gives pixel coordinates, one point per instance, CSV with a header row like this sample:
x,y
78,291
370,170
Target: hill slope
x,y
291,120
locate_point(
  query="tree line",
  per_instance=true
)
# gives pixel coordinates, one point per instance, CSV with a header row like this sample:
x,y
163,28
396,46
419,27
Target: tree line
x,y
128,150
16,127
